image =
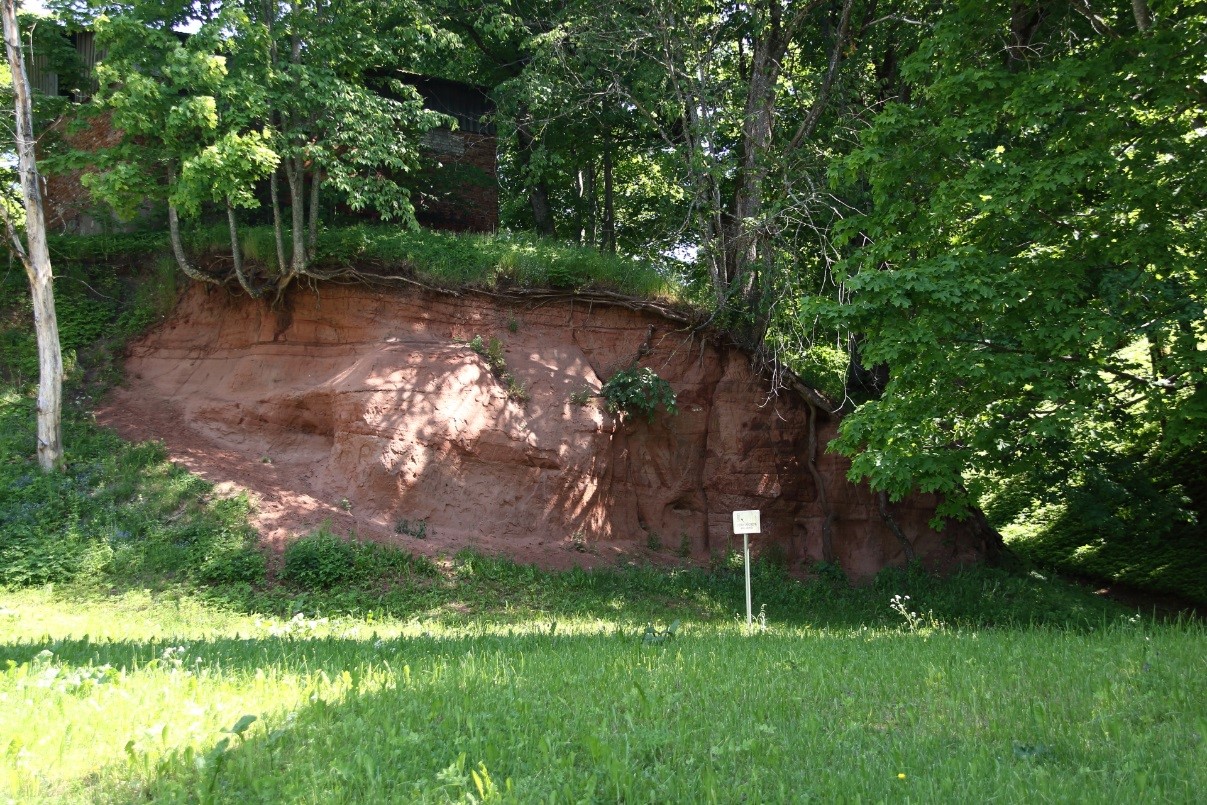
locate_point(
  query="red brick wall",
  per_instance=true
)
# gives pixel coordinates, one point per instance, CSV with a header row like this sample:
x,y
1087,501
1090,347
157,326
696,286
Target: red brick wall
x,y
466,184
465,197
69,206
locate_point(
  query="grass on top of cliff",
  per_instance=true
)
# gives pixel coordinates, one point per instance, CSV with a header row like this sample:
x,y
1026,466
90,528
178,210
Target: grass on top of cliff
x,y
441,259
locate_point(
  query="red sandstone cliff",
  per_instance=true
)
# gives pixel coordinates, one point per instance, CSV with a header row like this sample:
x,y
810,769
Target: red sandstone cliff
x,y
368,408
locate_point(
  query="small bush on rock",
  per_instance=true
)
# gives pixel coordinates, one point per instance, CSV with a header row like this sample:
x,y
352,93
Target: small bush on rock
x,y
638,390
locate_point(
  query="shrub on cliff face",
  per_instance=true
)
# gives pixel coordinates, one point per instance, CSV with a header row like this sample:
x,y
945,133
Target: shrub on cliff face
x,y
638,390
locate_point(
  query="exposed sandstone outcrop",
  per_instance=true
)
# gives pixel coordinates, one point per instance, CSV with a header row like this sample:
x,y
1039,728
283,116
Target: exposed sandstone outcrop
x,y
370,408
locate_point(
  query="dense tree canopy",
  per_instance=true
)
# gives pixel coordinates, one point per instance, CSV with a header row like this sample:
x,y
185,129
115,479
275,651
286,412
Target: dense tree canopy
x,y
1030,266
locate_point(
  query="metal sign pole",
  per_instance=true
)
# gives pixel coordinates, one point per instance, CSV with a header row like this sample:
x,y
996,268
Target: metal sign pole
x,y
747,523
746,551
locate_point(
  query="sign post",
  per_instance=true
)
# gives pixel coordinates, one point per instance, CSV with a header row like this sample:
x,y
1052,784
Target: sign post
x,y
746,523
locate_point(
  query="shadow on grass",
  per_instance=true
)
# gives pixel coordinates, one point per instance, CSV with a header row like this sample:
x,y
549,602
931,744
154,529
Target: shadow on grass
x,y
575,717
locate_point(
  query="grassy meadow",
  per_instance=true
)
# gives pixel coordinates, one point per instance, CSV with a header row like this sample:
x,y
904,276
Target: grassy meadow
x,y
162,697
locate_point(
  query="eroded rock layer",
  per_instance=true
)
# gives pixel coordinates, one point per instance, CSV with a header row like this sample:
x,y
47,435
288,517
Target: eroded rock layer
x,y
371,409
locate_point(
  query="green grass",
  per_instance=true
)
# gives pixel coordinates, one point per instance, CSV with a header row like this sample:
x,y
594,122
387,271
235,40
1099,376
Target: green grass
x,y
442,259
133,697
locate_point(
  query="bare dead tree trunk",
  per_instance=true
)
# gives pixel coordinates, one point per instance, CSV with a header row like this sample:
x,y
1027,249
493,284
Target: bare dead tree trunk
x,y
36,257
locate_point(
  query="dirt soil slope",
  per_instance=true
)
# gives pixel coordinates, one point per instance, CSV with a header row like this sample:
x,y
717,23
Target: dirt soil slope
x,y
370,409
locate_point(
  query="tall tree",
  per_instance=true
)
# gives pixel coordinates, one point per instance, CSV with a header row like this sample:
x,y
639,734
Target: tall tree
x,y
35,255
1030,268
303,94
162,93
736,92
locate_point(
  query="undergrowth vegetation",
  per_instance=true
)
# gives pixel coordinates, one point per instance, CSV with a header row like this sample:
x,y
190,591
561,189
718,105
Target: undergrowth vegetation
x,y
441,259
120,513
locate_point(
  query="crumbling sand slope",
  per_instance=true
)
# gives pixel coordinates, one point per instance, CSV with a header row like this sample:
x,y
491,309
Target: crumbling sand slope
x,y
369,408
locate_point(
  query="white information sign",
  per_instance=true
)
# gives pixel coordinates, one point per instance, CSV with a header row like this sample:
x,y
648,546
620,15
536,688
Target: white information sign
x,y
746,522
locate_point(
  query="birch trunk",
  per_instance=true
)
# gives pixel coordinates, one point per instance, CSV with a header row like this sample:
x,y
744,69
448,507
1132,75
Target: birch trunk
x,y
36,258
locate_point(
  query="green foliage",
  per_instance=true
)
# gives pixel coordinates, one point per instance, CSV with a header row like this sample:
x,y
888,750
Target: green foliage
x,y
110,248
349,570
1030,267
154,295
319,561
653,541
685,546
823,368
442,259
638,391
492,351
96,311
120,513
1133,521
416,528
494,261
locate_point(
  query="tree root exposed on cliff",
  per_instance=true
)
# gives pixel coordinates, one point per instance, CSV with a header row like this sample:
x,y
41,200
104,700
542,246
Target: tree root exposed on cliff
x,y
906,546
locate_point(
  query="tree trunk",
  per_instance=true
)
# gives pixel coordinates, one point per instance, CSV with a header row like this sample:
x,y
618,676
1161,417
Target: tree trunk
x,y
593,214
182,260
312,231
542,213
279,236
236,252
1144,19
36,258
823,500
538,191
608,243
907,547
297,209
